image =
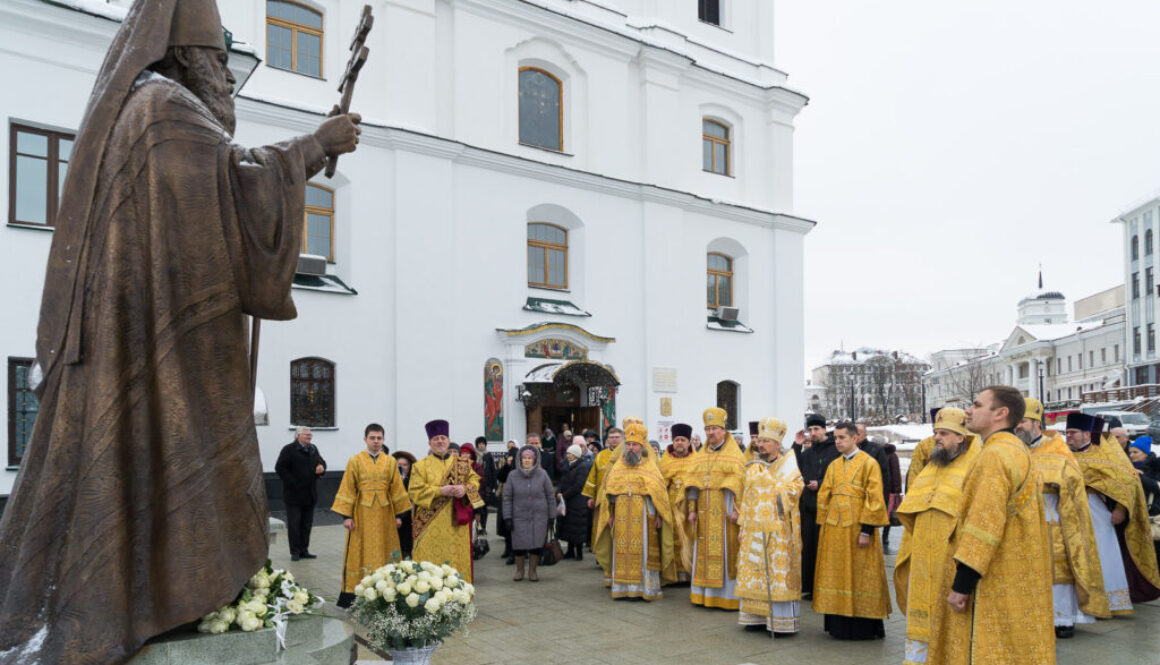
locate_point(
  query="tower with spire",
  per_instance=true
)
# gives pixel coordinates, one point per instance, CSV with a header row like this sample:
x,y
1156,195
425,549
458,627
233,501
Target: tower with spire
x,y
1042,307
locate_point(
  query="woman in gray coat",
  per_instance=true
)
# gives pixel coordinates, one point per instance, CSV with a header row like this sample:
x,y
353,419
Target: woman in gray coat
x,y
528,503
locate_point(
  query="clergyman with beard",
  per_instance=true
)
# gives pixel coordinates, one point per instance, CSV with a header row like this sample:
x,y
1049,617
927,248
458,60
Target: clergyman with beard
x,y
930,517
140,505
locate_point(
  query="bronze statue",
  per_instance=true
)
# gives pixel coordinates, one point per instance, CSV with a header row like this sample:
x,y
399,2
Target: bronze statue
x,y
140,503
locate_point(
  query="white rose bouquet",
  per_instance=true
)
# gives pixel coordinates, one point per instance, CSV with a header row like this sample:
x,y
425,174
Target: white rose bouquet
x,y
413,604
268,600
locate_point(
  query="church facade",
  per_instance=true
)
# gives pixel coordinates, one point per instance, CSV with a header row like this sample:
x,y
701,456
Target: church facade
x,y
561,212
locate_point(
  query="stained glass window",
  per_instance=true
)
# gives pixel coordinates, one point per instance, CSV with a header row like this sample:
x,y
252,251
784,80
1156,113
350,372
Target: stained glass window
x,y
293,37
312,397
547,256
39,163
22,408
541,109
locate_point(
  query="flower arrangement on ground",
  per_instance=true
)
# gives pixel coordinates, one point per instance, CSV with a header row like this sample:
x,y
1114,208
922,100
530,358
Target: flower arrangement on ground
x,y
413,604
267,601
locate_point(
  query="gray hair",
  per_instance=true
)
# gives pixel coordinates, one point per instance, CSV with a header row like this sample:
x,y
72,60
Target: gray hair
x,y
300,430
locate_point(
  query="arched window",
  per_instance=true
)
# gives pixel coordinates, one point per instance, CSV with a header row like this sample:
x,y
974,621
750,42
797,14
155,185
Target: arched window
x,y
715,146
541,109
294,37
1135,247
727,400
312,392
318,234
547,256
720,281
1148,242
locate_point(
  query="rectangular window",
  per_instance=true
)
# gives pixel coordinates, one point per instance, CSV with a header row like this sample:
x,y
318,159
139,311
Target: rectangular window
x,y
38,162
1135,286
1059,365
1116,352
1079,360
1136,340
294,37
709,11
318,234
1148,281
1104,356
22,408
1151,337
1069,367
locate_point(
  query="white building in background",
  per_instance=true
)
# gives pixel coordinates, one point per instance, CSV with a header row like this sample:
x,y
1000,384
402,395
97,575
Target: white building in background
x,y
870,384
1046,355
542,192
1140,230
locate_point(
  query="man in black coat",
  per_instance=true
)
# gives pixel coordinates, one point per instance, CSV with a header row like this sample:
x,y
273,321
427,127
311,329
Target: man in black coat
x,y
489,483
299,465
815,450
878,452
547,457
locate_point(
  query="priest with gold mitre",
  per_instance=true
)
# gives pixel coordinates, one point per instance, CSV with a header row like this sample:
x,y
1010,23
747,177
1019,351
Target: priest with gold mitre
x,y
769,565
634,532
713,486
930,515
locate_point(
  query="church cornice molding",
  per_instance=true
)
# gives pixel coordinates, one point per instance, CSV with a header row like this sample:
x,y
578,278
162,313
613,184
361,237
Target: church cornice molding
x,y
269,112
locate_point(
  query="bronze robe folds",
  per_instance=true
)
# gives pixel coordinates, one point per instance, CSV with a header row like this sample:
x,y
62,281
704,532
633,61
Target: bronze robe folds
x,y
140,504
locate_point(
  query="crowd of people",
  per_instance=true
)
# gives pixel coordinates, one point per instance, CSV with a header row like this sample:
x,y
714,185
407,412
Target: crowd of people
x,y
1011,534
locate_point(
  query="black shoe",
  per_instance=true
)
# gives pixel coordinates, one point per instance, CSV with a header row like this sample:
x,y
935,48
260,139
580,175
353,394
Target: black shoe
x,y
579,553
777,635
294,557
1065,632
753,628
308,555
511,560
807,595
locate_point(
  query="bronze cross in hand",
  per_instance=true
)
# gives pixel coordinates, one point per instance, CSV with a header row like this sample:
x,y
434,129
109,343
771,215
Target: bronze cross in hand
x,y
358,58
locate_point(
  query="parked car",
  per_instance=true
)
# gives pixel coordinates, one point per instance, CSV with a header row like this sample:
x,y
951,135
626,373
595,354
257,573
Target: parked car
x,y
1154,428
1134,423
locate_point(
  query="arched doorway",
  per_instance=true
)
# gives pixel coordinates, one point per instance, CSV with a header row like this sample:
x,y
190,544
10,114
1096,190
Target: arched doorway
x,y
578,395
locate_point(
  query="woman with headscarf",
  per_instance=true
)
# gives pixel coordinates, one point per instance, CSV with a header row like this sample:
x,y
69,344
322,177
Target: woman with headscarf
x,y
405,460
528,503
573,526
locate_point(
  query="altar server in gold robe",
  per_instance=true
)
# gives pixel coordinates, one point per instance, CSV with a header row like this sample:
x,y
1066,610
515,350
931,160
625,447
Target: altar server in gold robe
x,y
676,464
634,535
372,498
769,564
713,487
1000,597
445,492
595,480
850,583
1119,517
1077,577
930,515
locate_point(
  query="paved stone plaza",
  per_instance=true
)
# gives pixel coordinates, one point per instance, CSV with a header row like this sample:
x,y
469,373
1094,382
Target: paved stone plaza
x,y
568,619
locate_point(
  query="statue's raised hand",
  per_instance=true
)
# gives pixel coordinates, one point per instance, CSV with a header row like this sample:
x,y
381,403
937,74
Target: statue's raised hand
x,y
339,135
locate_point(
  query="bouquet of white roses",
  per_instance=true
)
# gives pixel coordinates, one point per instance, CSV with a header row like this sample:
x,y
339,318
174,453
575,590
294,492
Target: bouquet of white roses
x,y
413,604
268,600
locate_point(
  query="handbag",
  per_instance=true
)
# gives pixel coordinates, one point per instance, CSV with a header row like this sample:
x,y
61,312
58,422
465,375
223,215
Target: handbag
x,y
464,513
552,552
479,548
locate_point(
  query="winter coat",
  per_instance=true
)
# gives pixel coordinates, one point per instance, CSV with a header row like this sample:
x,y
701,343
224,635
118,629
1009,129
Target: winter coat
x,y
296,466
876,451
573,526
894,486
529,501
813,462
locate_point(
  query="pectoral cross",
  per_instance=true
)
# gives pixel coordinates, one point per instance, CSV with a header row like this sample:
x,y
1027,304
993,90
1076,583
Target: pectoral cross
x,y
358,58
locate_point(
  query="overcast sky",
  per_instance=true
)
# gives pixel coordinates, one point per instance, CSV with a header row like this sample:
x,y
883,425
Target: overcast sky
x,y
950,147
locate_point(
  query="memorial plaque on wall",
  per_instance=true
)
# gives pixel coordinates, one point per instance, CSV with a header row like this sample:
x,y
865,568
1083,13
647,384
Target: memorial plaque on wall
x,y
664,379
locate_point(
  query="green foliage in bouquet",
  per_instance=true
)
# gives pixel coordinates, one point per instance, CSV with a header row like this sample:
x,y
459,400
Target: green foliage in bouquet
x,y
413,604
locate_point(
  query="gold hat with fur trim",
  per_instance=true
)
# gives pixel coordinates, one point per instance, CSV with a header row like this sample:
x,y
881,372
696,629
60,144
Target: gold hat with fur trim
x,y
952,419
636,433
715,417
771,428
1034,409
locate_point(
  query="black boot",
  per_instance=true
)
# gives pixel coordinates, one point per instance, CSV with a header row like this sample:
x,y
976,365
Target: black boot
x,y
1064,632
580,553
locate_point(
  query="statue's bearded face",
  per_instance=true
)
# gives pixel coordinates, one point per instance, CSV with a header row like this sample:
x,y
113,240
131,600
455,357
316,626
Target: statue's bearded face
x,y
208,77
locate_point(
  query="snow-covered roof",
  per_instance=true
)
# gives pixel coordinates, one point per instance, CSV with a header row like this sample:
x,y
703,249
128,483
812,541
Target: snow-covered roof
x,y
865,354
100,8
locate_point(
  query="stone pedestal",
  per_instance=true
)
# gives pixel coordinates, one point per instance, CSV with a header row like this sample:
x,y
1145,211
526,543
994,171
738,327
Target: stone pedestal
x,y
277,530
309,641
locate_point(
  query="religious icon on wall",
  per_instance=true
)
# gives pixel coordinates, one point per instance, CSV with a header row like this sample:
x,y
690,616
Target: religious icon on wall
x,y
555,349
608,411
493,400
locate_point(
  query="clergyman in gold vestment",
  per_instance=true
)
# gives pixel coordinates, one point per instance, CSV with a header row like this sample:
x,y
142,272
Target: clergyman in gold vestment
x,y
372,500
930,515
769,564
850,583
634,535
712,488
1077,576
1001,594
442,533
678,461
